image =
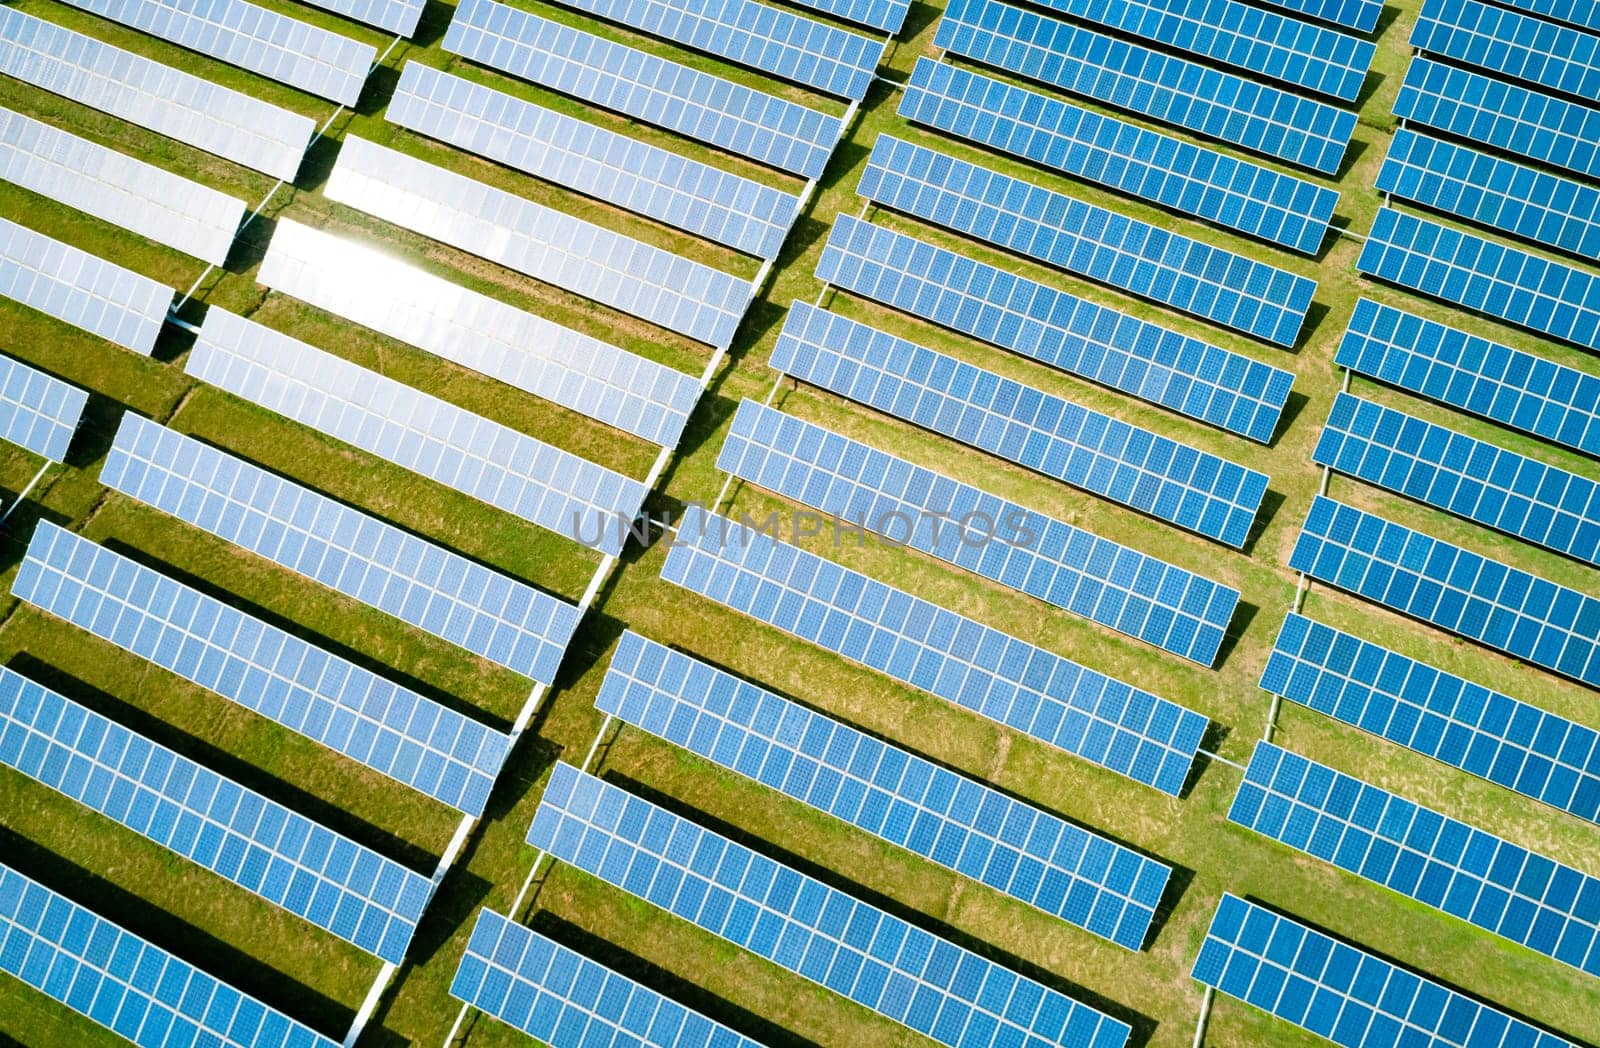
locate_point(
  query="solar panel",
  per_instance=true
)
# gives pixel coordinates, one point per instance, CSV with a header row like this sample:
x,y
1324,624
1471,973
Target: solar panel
x,y
1152,83
38,411
1360,15
744,215
963,825
1008,681
251,37
565,1000
81,289
856,950
1441,862
1089,241
646,87
152,202
1475,375
619,271
1100,454
886,16
1471,478
1584,13
234,832
1510,44
1071,568
399,17
1342,993
1523,201
767,39
235,126
1494,113
1455,589
509,470
1094,342
126,985
329,700
1190,179
592,377
430,587
1438,714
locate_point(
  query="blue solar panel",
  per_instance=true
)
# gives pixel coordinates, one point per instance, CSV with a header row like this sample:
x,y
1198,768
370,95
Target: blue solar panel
x,y
38,411
565,1000
1511,387
1008,681
1077,570
1134,467
1520,288
1468,477
1510,44
236,833
866,955
1083,338
1360,15
139,991
1494,113
1344,994
328,699
1089,241
1523,201
1441,862
1465,725
886,16
1455,589
960,824
438,591
1164,87
646,87
1584,13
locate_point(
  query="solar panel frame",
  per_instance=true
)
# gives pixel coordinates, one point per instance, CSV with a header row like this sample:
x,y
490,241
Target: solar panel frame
x,y
1510,44
38,412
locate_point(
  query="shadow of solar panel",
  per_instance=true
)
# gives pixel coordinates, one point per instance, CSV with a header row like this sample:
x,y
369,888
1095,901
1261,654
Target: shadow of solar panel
x,y
1151,83
330,700
528,478
1537,293
1008,681
1102,455
1069,567
1142,359
886,16
1342,993
399,17
1089,241
1455,589
958,823
234,832
122,983
1440,862
1585,13
81,289
667,94
1359,15
1186,178
1484,378
1510,44
38,411
858,951
165,100
1438,714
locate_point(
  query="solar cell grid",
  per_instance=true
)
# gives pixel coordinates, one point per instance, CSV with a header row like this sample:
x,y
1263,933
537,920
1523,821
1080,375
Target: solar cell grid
x,y
1585,13
1510,44
886,16
38,411
399,17
1360,15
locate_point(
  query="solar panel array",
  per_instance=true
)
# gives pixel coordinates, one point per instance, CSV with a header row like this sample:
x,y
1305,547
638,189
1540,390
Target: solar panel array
x,y
1585,13
1441,862
1074,569
1441,715
886,16
866,955
959,823
1152,83
1344,994
633,175
1100,454
168,101
234,832
507,469
619,271
81,289
1510,44
1089,241
646,87
123,983
328,699
1455,589
399,17
1009,681
1083,338
535,355
1360,15
38,411
1232,193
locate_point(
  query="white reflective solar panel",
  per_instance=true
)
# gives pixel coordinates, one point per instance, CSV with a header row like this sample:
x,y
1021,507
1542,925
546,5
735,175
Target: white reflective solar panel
x,y
38,411
399,17
81,289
